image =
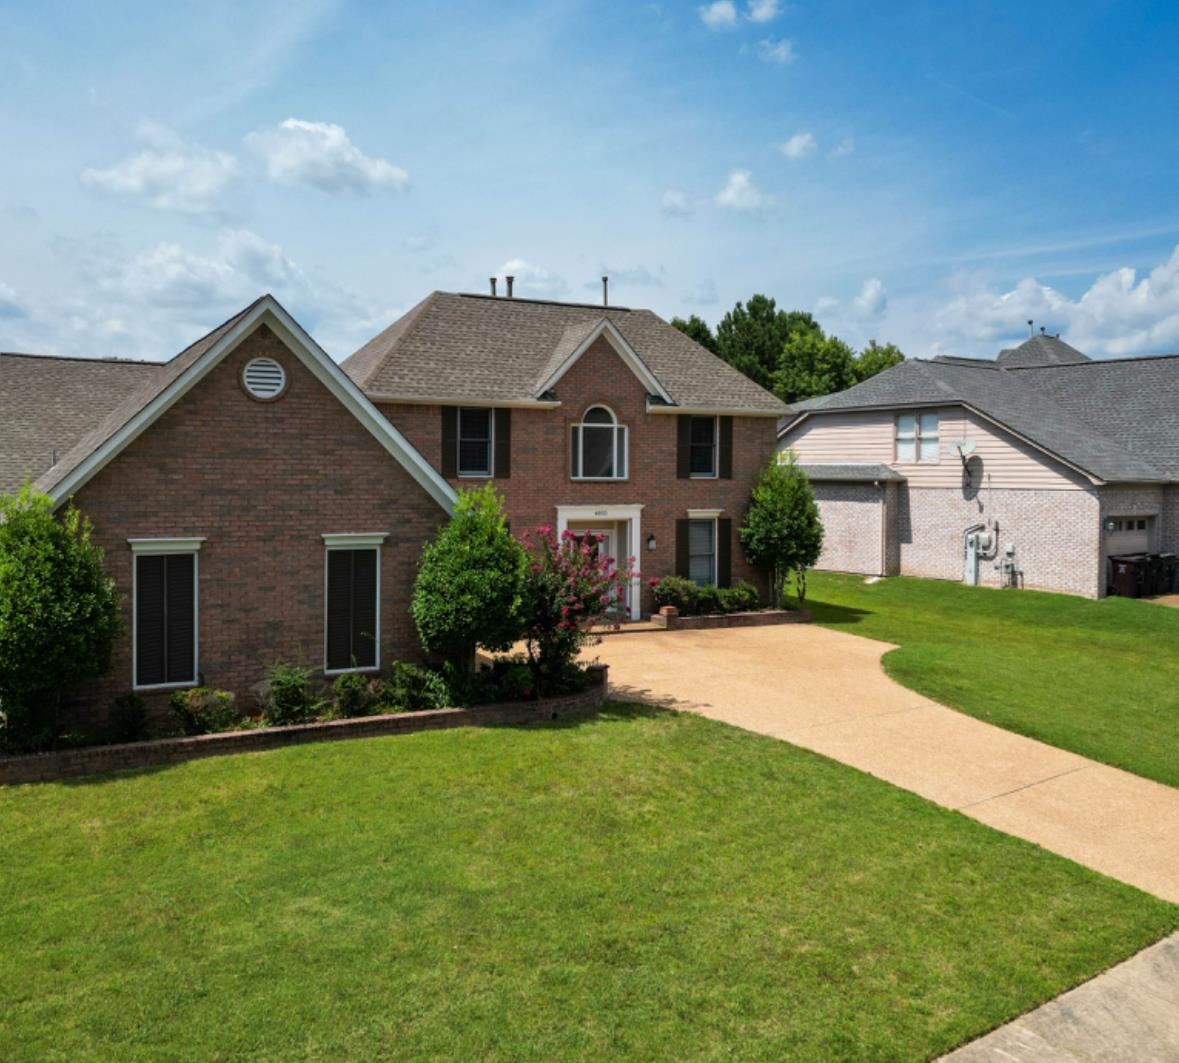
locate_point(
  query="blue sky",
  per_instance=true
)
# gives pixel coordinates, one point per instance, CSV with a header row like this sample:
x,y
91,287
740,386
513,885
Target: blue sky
x,y
925,173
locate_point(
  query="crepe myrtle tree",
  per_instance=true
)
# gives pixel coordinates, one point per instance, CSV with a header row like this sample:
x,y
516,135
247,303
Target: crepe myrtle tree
x,y
469,583
782,532
570,585
59,615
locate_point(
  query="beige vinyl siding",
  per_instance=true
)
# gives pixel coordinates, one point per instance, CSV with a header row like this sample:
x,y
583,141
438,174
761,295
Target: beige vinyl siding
x,y
868,437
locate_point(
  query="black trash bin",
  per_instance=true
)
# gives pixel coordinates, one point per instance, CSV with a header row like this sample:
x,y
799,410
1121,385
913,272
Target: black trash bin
x,y
1127,572
1170,576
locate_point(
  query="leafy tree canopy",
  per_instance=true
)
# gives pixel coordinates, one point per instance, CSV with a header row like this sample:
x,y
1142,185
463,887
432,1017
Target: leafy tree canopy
x,y
751,336
876,358
813,363
696,328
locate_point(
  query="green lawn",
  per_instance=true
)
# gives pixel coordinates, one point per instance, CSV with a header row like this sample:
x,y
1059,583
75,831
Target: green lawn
x,y
1098,678
642,886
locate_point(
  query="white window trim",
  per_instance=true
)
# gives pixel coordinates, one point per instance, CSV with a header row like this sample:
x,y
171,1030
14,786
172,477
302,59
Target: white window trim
x,y
617,427
711,517
352,541
458,443
917,438
715,474
148,547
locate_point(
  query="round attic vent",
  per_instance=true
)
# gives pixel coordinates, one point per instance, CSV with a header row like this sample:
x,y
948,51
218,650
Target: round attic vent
x,y
264,379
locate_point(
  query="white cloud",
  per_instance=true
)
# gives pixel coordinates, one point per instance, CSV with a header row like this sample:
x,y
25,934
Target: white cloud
x,y
740,193
845,147
11,304
872,299
320,154
1120,314
168,174
798,146
719,15
763,10
532,280
777,53
638,277
167,276
675,203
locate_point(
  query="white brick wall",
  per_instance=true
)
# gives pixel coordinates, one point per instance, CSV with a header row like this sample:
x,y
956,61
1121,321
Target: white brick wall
x,y
853,532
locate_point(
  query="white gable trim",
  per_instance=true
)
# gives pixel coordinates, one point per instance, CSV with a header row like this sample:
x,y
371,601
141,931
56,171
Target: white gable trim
x,y
267,311
624,350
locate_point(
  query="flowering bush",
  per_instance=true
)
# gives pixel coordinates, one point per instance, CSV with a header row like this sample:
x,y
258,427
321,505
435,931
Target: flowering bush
x,y
569,585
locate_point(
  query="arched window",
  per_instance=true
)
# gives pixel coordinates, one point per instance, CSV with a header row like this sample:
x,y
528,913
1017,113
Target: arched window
x,y
598,446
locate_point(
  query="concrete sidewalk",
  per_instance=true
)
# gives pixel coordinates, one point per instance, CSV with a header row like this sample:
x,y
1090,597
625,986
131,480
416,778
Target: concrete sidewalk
x,y
1128,1014
827,691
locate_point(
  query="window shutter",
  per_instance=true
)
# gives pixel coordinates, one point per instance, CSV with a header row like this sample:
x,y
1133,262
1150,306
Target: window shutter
x,y
682,554
724,551
503,443
683,449
339,609
450,441
725,449
150,620
181,622
364,609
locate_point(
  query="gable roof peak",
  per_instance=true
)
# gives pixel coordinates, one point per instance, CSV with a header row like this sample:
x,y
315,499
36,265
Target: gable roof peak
x,y
1040,350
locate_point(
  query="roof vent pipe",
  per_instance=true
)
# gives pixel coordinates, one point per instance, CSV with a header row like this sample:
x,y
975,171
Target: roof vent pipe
x,y
493,282
1031,328
510,281
605,291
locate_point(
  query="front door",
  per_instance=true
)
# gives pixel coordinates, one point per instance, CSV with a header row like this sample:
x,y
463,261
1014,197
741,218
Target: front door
x,y
607,540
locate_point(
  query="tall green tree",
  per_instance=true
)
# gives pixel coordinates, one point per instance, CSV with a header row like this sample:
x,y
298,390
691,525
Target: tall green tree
x,y
696,328
782,532
59,615
876,358
813,363
470,583
751,336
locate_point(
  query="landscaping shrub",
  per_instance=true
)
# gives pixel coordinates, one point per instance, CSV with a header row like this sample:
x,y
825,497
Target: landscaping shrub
x,y
468,588
285,695
127,721
740,598
708,599
58,615
356,694
409,688
203,710
677,591
569,586
782,532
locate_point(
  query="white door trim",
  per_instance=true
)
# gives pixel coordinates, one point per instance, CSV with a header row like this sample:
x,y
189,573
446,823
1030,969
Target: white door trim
x,y
632,516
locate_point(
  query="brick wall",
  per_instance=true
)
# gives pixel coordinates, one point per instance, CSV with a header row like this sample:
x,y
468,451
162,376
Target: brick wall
x,y
1056,535
1169,537
540,480
853,534
262,482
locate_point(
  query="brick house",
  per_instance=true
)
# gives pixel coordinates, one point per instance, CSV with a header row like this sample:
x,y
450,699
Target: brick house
x,y
1032,468
252,504
585,417
257,502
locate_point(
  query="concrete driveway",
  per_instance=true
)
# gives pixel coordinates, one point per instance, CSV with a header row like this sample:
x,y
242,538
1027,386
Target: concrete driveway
x,y
827,691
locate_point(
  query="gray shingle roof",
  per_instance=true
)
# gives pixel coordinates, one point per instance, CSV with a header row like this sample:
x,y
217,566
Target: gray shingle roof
x,y
1118,420
1041,351
48,404
476,348
850,473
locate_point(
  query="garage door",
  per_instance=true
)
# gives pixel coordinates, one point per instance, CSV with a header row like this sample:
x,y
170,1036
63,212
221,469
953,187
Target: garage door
x,y
1127,535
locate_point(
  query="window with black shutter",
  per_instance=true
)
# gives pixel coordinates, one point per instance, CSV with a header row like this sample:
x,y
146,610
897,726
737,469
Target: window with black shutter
x,y
702,447
352,634
165,620
475,441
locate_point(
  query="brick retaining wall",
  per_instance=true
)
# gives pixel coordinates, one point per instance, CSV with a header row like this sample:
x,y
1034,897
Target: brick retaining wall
x,y
763,618
43,767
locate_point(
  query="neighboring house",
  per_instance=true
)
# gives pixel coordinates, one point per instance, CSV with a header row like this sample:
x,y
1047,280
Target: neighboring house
x,y
252,504
586,418
1040,464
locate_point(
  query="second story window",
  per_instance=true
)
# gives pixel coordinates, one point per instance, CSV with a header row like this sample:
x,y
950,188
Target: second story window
x,y
598,446
702,448
917,437
475,441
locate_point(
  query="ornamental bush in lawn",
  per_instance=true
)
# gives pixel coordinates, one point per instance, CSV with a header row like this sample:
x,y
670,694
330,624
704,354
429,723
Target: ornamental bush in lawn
x,y
569,586
58,615
468,589
782,532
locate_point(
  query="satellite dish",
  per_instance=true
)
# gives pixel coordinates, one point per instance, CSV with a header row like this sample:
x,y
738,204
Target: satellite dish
x,y
965,448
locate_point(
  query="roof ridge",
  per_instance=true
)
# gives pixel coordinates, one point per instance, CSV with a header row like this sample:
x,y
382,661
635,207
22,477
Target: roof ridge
x,y
525,299
224,324
79,358
1098,361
